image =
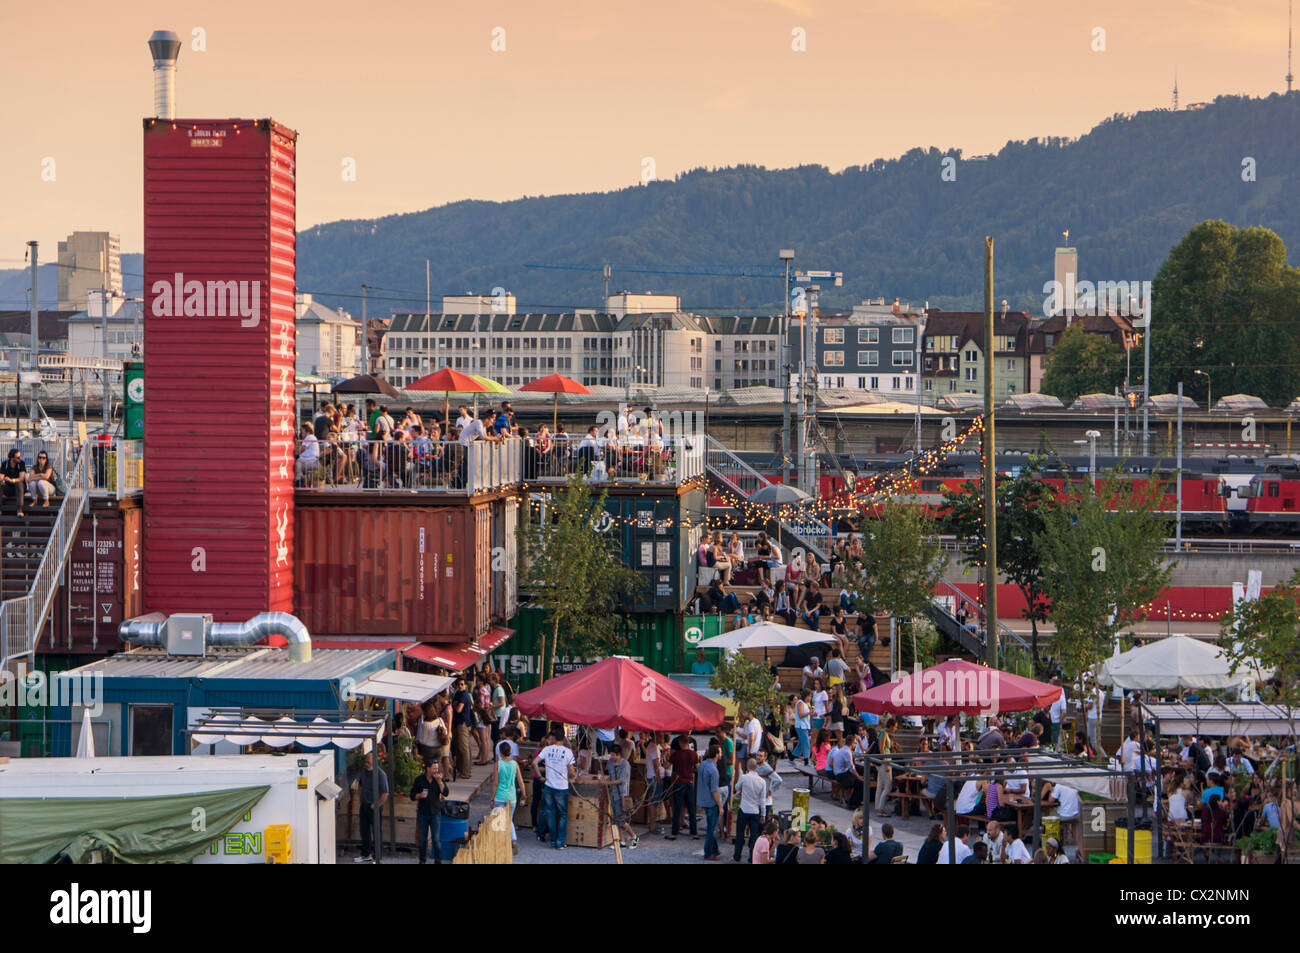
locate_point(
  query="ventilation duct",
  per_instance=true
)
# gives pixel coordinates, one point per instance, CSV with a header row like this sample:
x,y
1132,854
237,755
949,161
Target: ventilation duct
x,y
190,634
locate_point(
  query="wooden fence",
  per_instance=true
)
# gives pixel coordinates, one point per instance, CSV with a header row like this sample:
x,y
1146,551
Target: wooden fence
x,y
489,843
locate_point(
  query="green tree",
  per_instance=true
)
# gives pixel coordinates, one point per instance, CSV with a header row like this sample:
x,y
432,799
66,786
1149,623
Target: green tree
x,y
1082,363
901,564
576,574
747,683
1268,629
1023,502
1102,560
1226,301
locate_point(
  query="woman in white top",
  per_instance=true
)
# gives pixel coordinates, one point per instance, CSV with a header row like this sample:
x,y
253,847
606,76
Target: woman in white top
x,y
1178,801
821,699
736,550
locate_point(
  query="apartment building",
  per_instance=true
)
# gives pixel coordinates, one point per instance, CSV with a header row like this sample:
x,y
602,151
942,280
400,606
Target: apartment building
x,y
875,347
122,319
956,357
328,340
1044,334
88,261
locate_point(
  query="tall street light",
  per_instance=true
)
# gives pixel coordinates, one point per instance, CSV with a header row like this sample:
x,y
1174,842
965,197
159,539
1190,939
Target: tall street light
x,y
1209,400
1092,436
786,255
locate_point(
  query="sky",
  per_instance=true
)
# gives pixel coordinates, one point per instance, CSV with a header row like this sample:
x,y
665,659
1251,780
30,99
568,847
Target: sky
x,y
435,102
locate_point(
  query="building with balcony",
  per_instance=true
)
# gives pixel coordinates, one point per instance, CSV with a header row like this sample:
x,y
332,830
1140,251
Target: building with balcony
x,y
955,356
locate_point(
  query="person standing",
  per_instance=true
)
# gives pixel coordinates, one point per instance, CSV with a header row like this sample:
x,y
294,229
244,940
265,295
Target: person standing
x,y
803,724
684,761
369,777
508,787
620,772
749,819
1056,713
462,708
427,792
539,787
557,767
708,797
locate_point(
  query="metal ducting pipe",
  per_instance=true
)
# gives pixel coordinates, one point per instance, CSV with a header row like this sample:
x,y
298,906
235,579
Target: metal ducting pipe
x,y
147,630
261,626
165,48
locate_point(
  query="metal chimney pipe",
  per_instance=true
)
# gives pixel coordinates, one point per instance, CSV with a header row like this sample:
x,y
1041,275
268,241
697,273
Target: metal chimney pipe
x,y
166,48
147,630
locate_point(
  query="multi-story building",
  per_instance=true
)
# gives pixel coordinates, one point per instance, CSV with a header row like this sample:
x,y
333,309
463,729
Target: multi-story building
x,y
741,351
955,354
875,347
88,261
121,318
1044,335
328,341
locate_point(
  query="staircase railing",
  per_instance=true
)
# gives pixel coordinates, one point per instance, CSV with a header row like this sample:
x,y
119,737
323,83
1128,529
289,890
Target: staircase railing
x,y
23,617
1007,636
724,465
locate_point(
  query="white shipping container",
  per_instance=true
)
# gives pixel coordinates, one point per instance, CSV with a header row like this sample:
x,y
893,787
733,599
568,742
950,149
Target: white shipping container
x,y
302,793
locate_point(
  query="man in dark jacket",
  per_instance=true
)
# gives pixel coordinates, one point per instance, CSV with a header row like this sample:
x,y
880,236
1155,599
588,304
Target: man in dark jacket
x,y
427,792
888,848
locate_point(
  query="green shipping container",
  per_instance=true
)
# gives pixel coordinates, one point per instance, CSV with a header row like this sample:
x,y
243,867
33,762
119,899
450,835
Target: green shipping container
x,y
655,639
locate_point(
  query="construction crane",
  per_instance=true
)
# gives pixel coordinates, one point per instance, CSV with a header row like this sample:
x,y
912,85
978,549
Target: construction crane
x,y
767,272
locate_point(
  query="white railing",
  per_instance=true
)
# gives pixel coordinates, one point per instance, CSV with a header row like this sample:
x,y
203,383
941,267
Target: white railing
x,y
673,461
421,465
116,467
23,617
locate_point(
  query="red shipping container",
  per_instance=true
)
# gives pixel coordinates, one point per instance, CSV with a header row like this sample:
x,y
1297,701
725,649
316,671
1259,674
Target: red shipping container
x,y
101,584
419,572
219,280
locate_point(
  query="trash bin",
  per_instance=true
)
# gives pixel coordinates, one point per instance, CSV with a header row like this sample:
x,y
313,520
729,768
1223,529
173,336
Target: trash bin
x,y
800,801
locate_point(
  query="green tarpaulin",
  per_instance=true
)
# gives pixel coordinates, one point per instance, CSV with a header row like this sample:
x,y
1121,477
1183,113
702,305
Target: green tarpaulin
x,y
132,830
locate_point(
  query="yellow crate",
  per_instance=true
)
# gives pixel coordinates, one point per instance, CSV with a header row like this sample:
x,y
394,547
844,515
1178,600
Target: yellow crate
x,y
279,846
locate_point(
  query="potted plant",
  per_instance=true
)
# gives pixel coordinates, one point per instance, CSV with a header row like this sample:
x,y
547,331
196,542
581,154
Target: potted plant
x,y
1259,847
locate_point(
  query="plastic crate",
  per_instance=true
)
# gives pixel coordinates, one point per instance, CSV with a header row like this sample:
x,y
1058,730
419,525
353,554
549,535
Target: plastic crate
x,y
1100,857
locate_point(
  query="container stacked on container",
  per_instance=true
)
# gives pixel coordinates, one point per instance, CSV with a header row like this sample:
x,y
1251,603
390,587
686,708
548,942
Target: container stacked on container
x,y
219,278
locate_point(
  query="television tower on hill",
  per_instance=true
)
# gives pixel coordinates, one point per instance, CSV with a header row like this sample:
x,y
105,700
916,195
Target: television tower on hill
x,y
1175,90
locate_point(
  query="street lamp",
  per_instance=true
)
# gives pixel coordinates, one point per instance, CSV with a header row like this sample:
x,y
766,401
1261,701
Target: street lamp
x,y
1092,436
1209,401
786,255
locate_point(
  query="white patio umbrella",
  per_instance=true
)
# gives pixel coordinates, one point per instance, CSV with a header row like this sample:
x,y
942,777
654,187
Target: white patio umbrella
x,y
86,741
764,635
1176,662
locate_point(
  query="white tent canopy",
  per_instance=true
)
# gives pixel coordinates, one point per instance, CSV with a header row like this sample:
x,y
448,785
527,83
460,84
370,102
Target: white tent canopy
x,y
764,635
1219,720
226,726
403,686
1173,663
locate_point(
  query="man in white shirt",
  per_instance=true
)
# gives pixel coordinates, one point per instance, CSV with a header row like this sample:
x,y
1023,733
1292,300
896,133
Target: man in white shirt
x,y
464,419
963,851
1057,712
752,788
1093,706
556,761
1129,751
1067,800
813,670
472,430
1018,853
996,839
752,738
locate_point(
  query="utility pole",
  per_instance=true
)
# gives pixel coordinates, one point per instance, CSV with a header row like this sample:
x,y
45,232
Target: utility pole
x,y
1178,530
990,473
103,324
786,255
1146,380
365,332
36,304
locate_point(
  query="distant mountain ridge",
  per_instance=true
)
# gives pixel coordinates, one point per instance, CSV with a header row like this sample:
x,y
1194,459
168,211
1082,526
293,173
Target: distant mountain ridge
x,y
1127,191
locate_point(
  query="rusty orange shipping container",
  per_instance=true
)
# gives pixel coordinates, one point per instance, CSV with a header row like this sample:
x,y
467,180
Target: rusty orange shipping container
x,y
418,572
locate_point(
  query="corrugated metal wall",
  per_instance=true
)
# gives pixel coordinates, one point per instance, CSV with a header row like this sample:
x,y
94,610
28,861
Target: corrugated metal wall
x,y
219,230
102,580
410,571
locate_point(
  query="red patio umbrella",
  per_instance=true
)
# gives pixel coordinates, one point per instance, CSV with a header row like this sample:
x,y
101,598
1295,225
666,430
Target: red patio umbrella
x,y
619,693
447,380
956,687
556,384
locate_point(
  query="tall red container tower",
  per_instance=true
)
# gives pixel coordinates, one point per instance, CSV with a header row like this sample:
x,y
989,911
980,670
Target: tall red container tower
x,y
219,280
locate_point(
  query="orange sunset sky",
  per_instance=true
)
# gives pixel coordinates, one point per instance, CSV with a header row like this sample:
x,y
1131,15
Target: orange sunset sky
x,y
415,94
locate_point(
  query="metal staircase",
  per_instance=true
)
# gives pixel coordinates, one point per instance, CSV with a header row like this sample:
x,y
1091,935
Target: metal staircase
x,y
971,641
738,476
22,617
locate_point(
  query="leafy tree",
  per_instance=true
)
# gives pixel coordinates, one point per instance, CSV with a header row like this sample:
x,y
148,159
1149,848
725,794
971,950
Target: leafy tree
x,y
1082,363
1268,629
902,562
1102,561
1023,502
747,683
575,574
1226,301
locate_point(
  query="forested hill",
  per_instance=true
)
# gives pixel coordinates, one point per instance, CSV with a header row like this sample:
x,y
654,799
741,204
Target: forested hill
x,y
1127,191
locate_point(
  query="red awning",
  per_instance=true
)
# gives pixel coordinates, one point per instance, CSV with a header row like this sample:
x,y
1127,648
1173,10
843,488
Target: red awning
x,y
332,643
620,693
459,656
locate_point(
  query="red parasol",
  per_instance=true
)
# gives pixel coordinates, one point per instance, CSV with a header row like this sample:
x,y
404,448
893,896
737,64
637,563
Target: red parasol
x,y
956,687
556,384
448,381
619,693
